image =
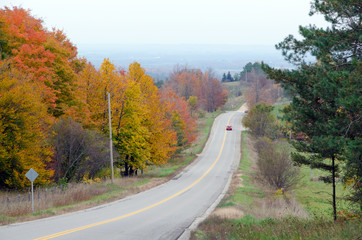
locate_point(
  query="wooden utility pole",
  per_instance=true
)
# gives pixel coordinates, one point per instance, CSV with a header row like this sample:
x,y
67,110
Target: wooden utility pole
x,y
277,102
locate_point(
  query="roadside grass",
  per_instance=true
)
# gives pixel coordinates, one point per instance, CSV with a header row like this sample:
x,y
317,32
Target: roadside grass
x,y
285,228
245,195
272,215
77,196
16,207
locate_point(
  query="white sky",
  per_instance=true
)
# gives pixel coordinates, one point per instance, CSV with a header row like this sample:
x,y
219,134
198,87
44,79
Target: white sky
x,y
244,22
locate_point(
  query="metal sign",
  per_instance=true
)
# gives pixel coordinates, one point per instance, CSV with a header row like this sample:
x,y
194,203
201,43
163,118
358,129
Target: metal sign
x,y
31,175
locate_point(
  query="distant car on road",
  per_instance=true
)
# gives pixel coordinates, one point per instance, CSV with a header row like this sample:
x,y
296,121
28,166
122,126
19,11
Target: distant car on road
x,y
229,128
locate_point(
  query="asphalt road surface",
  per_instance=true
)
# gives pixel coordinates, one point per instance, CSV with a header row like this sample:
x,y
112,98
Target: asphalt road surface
x,y
164,212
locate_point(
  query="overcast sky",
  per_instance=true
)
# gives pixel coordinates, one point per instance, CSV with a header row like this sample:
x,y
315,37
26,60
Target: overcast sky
x,y
244,22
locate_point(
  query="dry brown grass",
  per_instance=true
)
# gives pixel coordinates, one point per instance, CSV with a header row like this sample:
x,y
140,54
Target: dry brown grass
x,y
44,199
16,207
271,205
228,213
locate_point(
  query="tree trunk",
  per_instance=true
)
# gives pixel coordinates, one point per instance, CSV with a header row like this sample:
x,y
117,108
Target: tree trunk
x,y
334,189
125,168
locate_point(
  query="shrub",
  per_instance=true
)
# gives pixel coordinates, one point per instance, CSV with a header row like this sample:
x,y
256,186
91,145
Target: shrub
x,y
79,152
260,121
275,165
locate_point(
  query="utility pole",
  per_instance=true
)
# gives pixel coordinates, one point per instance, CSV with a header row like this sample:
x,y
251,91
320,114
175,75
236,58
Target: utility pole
x,y
110,134
278,107
257,90
290,149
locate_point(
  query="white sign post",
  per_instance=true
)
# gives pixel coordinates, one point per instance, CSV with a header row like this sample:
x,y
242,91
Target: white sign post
x,y
32,175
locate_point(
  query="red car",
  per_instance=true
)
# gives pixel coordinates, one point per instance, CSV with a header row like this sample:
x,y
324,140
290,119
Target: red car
x,y
229,128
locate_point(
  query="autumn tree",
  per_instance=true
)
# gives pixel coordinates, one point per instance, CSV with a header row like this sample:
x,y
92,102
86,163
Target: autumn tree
x,y
214,95
4,50
182,121
261,89
22,131
89,95
193,104
142,130
326,104
210,94
47,57
179,127
63,66
25,38
161,138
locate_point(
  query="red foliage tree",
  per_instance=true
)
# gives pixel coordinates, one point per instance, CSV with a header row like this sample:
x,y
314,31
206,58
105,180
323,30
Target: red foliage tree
x,y
47,57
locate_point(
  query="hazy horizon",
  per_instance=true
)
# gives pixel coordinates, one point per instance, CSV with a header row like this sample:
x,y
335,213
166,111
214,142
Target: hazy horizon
x,y
160,59
223,35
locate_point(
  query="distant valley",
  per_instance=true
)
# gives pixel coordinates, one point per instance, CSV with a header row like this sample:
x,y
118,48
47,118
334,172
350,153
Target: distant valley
x,y
160,60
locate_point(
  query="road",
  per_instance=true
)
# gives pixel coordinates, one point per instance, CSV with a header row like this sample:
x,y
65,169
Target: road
x,y
163,212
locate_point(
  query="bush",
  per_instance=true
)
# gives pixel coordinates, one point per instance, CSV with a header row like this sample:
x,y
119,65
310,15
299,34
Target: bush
x,y
275,165
260,121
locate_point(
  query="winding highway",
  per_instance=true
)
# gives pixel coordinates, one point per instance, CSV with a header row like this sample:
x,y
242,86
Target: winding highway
x,y
164,212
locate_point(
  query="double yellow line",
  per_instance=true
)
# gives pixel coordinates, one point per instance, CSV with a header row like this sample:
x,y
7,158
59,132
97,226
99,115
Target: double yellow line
x,y
143,209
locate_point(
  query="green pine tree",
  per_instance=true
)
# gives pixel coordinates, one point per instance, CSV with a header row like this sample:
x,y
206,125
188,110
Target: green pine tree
x,y
327,95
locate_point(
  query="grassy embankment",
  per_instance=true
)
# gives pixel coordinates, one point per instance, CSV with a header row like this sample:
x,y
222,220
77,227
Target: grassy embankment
x,y
252,211
15,207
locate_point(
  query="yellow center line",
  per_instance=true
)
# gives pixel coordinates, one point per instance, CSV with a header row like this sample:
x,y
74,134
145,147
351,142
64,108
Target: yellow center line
x,y
143,209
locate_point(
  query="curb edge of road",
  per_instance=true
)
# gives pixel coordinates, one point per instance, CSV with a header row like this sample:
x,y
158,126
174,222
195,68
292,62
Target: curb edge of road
x,y
187,232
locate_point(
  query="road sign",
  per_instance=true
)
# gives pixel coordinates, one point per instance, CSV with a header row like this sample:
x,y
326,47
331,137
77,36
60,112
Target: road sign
x,y
32,175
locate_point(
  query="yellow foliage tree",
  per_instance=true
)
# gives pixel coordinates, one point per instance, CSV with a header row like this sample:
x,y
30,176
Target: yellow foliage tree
x,y
141,124
22,131
162,139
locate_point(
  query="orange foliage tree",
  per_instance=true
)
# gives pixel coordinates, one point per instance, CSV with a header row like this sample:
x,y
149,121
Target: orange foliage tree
x,y
180,112
47,57
187,83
